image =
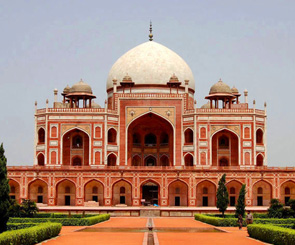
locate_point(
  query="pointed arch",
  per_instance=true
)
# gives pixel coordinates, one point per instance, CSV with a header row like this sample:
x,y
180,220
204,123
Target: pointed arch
x,y
206,199
41,135
112,159
14,190
188,160
178,193
120,198
34,193
112,135
262,193
188,136
65,192
219,149
90,195
287,191
235,185
40,159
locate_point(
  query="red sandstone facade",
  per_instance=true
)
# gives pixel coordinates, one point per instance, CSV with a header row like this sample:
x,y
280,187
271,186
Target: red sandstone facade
x,y
149,145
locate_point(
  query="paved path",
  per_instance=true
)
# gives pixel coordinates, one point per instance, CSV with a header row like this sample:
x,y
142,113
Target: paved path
x,y
233,236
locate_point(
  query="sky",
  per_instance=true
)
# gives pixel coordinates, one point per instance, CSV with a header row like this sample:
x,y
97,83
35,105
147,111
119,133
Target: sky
x,y
49,44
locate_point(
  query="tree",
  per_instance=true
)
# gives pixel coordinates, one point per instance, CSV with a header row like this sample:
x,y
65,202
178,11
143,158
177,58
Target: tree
x,y
222,195
29,208
240,206
4,191
276,209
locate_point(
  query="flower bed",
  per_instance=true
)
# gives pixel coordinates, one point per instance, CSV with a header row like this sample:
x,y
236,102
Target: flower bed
x,y
31,235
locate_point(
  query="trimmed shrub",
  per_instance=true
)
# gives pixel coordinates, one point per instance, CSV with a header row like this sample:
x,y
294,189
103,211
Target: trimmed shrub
x,y
17,226
272,234
216,221
64,221
30,236
61,215
260,215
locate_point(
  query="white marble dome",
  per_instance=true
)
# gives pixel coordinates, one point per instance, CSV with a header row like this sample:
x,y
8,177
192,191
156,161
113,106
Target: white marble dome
x,y
150,63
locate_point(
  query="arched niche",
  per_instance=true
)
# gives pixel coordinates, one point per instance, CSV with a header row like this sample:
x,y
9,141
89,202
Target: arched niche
x,y
75,145
178,193
225,148
233,188
38,191
206,194
66,193
93,191
262,193
120,197
14,190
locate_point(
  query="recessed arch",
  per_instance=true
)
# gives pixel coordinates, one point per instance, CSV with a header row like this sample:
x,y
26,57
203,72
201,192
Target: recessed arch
x,y
150,190
120,198
34,192
136,160
188,136
41,135
206,199
112,159
65,193
259,160
150,123
94,191
259,136
164,160
112,136
188,160
40,159
233,196
262,193
80,147
223,150
15,187
287,191
178,193
150,160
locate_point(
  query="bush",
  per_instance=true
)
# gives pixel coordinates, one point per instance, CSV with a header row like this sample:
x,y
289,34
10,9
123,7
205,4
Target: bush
x,y
64,221
30,235
61,215
216,221
272,234
260,215
276,209
17,226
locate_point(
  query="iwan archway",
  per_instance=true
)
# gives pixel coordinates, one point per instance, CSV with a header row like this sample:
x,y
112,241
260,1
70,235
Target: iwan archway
x,y
75,148
150,137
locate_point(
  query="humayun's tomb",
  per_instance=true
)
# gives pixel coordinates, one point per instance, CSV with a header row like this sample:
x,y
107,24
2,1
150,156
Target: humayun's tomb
x,y
151,143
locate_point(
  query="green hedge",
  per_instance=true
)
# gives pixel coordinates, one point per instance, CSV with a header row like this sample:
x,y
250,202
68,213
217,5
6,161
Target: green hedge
x,y
30,236
61,215
17,226
216,221
290,226
64,221
272,234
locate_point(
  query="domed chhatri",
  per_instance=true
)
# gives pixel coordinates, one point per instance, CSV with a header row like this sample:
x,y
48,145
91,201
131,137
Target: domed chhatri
x,y
220,87
81,87
206,106
66,89
150,64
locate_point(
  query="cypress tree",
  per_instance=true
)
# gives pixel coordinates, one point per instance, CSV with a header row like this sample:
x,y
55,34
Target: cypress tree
x,y
222,196
240,206
4,191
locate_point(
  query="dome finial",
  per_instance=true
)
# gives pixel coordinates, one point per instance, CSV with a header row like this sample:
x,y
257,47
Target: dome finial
x,y
151,31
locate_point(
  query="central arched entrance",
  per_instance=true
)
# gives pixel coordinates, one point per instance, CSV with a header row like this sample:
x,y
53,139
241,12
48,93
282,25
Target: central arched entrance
x,y
150,137
150,193
75,148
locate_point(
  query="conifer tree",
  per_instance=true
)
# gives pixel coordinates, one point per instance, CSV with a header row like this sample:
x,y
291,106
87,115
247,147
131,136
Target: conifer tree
x,y
4,191
222,196
240,206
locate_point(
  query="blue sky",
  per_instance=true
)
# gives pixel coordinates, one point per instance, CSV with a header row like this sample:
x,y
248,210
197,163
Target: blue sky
x,y
49,44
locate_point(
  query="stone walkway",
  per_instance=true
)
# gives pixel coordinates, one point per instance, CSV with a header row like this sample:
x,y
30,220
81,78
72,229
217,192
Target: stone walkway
x,y
232,235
